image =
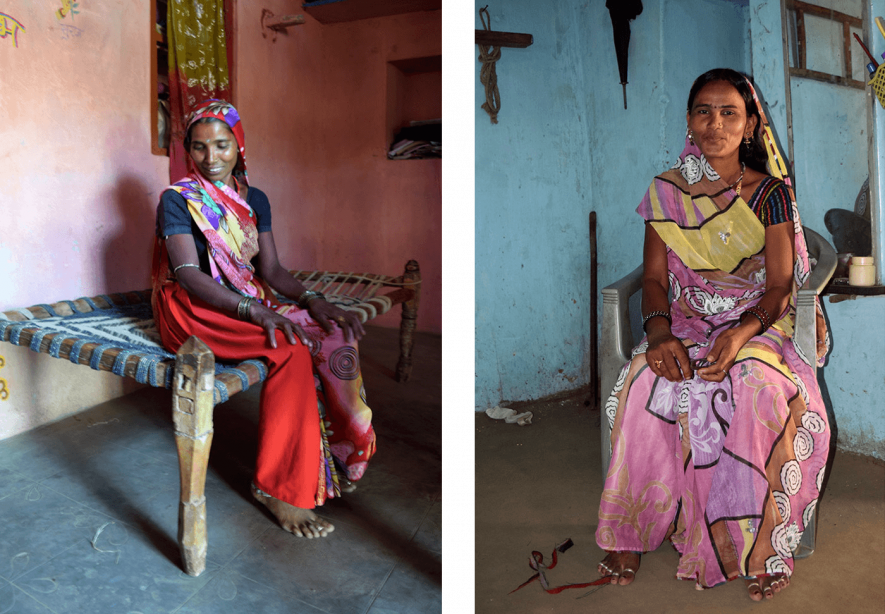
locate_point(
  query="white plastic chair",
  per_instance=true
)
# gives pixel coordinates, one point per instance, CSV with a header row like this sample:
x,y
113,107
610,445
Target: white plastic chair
x,y
617,341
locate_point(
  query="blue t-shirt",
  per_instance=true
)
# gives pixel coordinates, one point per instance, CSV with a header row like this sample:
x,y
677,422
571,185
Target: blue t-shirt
x,y
174,218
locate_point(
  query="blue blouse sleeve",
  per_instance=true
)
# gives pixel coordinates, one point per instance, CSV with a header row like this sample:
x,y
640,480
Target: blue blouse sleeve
x,y
261,206
774,205
173,217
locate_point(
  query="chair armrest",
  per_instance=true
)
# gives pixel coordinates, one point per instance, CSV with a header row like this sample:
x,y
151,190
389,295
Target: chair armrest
x,y
615,345
805,332
617,339
826,261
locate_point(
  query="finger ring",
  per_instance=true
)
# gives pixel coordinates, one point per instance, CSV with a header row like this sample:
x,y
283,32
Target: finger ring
x,y
340,319
658,363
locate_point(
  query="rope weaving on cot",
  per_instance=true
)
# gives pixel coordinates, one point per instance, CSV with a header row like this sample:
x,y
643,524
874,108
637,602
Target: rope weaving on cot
x,y
125,333
352,291
118,334
488,55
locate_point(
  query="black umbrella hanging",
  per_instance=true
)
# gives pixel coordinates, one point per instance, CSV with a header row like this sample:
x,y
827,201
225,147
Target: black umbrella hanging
x,y
622,11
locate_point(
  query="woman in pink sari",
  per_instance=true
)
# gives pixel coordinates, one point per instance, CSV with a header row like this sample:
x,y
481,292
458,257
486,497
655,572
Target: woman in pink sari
x,y
719,432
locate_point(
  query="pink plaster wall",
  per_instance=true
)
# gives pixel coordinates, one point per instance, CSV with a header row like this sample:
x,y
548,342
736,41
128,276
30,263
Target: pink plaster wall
x,y
80,184
314,107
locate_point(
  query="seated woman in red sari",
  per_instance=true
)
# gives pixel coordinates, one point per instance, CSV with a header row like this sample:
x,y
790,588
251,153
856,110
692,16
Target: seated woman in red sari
x,y
719,432
215,262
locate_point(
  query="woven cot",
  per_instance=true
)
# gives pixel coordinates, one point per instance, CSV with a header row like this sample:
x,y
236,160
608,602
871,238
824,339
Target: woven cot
x,y
117,333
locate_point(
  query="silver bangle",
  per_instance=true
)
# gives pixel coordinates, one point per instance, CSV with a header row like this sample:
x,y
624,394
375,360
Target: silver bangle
x,y
308,295
243,307
655,314
183,266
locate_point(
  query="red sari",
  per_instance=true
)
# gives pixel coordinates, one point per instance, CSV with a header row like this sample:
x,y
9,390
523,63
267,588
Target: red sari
x,y
296,443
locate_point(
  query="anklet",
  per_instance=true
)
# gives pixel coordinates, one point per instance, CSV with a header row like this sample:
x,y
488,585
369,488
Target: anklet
x,y
261,492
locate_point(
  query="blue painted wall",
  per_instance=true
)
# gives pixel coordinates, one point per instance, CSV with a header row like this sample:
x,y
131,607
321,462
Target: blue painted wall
x,y
565,146
830,151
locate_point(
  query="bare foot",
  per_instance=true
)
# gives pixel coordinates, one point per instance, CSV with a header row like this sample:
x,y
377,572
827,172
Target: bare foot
x,y
298,521
621,566
766,586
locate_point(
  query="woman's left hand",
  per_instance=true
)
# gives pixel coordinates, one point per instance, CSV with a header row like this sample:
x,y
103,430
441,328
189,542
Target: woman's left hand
x,y
721,356
328,314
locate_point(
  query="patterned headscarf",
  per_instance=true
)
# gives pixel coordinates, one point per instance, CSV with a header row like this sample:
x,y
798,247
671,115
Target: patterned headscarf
x,y
222,111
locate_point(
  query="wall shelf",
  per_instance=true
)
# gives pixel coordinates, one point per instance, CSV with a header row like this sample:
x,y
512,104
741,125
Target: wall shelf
x,y
503,39
839,285
414,108
340,11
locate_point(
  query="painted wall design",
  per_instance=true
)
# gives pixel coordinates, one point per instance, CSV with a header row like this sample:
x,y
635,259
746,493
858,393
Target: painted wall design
x,y
68,7
68,31
9,26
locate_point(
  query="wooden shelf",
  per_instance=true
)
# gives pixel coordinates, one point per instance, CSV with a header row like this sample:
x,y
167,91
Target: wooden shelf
x,y
503,39
839,285
341,11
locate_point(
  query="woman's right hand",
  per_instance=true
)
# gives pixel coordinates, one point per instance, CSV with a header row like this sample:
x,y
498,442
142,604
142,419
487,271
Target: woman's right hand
x,y
666,355
271,321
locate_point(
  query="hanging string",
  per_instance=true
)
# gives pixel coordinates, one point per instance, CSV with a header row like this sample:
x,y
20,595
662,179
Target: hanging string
x,y
487,75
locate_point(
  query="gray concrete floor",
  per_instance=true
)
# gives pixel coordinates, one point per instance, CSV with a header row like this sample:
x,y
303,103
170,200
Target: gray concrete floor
x,y
89,505
539,484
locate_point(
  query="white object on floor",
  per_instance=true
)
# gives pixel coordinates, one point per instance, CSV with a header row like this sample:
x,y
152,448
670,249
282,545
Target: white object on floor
x,y
509,415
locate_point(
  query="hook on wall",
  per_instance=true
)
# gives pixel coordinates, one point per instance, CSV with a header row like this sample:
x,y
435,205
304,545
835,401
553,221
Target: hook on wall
x,y
278,24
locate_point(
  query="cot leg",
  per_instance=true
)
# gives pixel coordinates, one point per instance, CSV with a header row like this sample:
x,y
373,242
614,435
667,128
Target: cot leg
x,y
412,279
192,406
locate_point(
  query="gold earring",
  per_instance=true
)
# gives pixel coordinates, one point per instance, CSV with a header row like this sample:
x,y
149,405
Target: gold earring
x,y
691,137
